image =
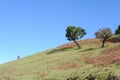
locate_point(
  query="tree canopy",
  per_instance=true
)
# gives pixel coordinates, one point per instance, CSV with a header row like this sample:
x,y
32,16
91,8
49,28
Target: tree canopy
x,y
74,33
103,34
117,30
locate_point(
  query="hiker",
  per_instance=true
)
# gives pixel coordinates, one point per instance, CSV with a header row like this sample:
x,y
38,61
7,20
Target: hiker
x,y
18,57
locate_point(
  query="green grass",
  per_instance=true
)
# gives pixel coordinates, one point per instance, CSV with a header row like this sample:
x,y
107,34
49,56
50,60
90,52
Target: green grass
x,y
33,67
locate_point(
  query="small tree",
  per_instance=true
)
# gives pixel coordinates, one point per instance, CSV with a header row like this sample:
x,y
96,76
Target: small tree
x,y
103,34
117,30
74,33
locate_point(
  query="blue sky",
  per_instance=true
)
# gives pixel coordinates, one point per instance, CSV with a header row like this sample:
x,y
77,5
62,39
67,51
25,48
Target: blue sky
x,y
30,26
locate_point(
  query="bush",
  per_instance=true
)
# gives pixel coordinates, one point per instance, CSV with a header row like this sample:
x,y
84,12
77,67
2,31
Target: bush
x,y
113,76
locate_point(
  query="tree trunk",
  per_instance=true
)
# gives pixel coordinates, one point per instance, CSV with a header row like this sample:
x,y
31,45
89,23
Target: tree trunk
x,y
77,44
103,42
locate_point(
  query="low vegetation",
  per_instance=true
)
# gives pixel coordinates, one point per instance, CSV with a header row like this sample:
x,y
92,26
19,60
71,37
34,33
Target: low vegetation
x,y
67,62
107,57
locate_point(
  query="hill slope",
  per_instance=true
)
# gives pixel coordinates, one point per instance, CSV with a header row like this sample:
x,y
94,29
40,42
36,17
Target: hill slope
x,y
66,61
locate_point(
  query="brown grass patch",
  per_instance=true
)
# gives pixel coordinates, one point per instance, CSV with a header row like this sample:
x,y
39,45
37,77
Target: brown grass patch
x,y
81,42
68,65
114,39
107,57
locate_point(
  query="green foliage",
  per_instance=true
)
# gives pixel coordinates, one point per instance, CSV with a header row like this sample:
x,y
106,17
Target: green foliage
x,y
117,30
74,33
103,34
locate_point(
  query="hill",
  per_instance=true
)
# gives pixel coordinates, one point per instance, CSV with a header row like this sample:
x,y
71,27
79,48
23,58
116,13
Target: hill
x,y
66,61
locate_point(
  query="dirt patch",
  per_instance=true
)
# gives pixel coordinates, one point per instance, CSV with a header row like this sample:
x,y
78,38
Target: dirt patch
x,y
107,57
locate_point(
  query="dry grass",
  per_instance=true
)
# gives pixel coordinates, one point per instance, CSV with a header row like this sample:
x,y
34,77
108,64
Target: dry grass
x,y
107,57
81,42
42,73
114,39
62,63
68,65
5,78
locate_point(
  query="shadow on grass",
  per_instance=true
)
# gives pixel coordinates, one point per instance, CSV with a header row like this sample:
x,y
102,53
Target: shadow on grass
x,y
58,50
90,49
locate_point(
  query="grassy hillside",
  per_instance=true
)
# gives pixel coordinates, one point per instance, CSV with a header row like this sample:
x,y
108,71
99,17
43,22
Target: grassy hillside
x,y
66,61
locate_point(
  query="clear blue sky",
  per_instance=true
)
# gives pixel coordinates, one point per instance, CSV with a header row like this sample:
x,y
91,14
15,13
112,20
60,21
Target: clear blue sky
x,y
30,26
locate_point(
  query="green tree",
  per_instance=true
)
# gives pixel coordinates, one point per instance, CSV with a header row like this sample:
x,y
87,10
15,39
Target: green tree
x,y
74,33
117,30
103,34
